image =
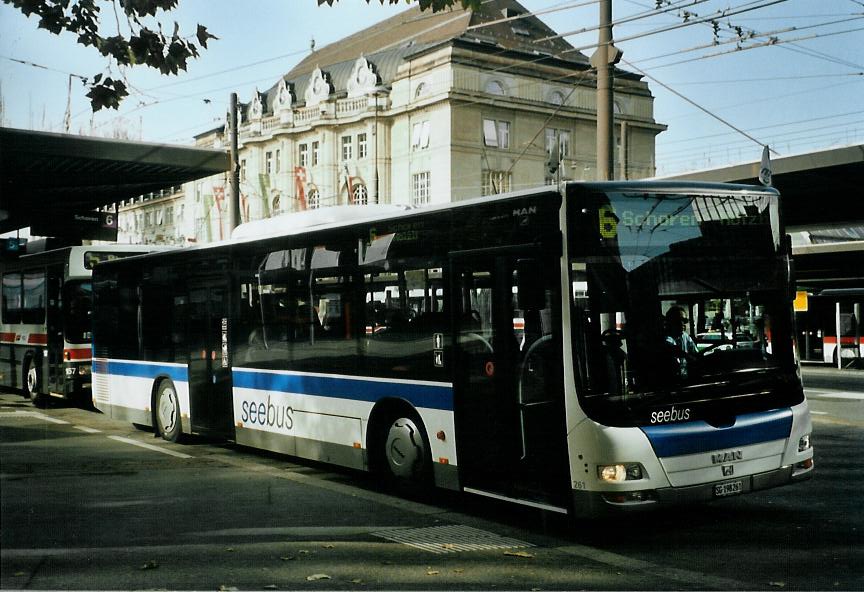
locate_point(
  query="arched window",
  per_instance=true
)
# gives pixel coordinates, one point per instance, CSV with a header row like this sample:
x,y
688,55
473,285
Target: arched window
x,y
314,201
495,87
556,97
361,195
421,90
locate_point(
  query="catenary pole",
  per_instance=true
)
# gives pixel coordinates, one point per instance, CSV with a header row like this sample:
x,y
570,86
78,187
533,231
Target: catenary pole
x,y
234,173
603,59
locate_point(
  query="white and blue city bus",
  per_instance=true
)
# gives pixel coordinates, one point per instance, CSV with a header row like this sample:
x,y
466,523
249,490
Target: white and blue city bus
x,y
510,346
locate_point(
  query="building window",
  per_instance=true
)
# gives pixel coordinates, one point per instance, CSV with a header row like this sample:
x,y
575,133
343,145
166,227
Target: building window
x,y
362,146
495,182
422,186
422,89
563,141
314,201
347,147
316,153
361,195
556,97
420,135
496,134
278,160
169,215
304,155
268,162
243,170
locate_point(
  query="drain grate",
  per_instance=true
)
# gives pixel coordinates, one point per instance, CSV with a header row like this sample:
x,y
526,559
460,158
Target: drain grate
x,y
450,539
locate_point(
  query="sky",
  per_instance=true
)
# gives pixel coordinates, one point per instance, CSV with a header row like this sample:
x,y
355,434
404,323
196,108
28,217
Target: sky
x,y
802,93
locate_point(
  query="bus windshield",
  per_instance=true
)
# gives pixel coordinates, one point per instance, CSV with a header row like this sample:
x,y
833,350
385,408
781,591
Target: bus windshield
x,y
77,311
680,307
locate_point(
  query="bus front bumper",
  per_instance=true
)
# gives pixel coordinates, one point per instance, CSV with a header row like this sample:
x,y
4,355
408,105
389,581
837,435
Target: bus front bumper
x,y
599,503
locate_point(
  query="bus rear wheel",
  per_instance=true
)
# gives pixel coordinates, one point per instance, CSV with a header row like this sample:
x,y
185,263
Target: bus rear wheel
x,y
167,411
31,386
406,452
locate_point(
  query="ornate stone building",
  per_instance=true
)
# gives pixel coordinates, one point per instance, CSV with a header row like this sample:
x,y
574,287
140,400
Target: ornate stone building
x,y
424,108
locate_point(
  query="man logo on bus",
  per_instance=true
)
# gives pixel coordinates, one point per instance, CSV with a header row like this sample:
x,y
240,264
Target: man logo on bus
x,y
608,222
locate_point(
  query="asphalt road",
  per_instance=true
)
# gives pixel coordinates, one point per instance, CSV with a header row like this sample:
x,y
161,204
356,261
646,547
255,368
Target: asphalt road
x,y
88,503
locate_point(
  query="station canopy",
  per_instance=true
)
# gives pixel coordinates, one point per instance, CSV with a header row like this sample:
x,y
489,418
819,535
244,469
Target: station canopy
x,y
57,175
817,189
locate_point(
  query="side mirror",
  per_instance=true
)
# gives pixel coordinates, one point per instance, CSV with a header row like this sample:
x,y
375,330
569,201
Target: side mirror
x,y
790,268
529,282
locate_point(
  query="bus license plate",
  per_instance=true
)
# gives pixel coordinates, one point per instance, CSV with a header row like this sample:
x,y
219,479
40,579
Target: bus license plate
x,y
729,488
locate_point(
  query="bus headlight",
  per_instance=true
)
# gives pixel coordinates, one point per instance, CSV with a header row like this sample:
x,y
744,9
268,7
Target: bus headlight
x,y
620,472
804,443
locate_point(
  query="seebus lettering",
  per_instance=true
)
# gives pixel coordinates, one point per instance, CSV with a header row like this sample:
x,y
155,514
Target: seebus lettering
x,y
670,415
269,415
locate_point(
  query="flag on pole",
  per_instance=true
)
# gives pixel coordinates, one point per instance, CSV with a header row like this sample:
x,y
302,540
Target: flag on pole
x,y
765,168
348,183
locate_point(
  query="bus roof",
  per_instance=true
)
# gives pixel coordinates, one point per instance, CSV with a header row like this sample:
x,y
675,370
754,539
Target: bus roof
x,y
347,215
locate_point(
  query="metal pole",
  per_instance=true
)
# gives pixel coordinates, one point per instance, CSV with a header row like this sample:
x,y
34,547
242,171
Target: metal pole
x,y
838,350
234,173
603,59
857,310
377,198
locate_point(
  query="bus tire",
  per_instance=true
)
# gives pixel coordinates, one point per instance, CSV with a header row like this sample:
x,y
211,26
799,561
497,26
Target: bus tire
x,y
405,454
167,411
31,383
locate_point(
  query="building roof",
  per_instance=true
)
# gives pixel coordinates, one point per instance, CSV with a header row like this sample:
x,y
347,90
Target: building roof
x,y
387,44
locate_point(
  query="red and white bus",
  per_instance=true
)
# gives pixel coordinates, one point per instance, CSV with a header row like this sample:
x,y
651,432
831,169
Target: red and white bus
x,y
45,315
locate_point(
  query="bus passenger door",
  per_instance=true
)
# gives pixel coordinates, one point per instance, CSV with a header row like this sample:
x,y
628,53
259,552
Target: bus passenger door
x,y
209,364
54,330
509,400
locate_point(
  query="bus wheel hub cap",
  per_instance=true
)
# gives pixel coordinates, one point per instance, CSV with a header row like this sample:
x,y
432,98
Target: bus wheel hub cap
x,y
404,447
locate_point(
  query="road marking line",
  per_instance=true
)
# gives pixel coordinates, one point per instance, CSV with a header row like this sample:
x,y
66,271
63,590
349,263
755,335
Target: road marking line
x,y
149,446
834,394
818,412
33,414
87,430
298,531
845,396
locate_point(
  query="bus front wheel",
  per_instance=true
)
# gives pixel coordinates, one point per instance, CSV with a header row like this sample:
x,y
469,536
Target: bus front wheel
x,y
31,386
406,449
168,411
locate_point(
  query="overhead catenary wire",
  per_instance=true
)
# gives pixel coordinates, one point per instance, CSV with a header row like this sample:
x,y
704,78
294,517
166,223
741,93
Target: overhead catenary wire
x,y
697,105
584,78
753,35
689,23
769,43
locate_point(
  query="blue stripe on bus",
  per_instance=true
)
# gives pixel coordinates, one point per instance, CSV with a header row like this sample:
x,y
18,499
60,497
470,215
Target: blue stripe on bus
x,y
352,388
698,436
137,370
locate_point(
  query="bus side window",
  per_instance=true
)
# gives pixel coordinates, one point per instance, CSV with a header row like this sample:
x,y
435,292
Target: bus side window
x,y
12,295
33,305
